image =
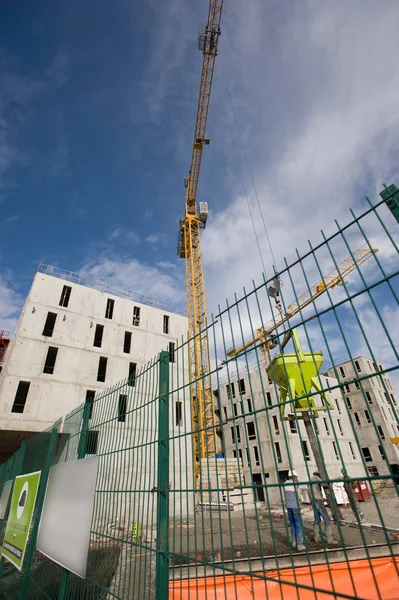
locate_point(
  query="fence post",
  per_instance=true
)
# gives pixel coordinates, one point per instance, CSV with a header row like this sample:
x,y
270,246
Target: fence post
x,y
83,431
38,510
62,593
162,489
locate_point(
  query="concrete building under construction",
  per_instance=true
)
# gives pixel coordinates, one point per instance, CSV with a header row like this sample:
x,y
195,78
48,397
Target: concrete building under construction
x,y
253,432
74,338
373,407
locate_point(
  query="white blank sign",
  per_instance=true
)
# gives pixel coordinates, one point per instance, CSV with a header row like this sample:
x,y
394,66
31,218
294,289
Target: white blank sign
x,y
64,532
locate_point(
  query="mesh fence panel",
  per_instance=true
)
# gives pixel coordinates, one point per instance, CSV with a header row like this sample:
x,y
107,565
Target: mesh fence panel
x,y
318,397
120,426
304,368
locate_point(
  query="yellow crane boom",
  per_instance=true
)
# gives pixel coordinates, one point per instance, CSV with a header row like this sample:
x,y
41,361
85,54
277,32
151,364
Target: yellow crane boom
x,y
189,248
329,281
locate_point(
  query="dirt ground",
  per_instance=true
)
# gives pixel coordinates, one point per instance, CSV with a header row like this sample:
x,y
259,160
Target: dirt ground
x,y
211,538
385,504
230,535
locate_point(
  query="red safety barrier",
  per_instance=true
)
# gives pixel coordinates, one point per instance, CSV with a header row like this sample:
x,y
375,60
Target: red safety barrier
x,y
357,578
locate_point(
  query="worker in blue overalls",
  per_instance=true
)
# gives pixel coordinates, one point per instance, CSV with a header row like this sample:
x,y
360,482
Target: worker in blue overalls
x,y
293,510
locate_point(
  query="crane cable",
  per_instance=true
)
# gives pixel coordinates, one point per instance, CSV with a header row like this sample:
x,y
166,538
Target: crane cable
x,y
250,211
252,180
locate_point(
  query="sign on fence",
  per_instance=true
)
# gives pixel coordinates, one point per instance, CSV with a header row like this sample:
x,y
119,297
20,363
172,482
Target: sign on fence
x,y
136,531
64,533
19,521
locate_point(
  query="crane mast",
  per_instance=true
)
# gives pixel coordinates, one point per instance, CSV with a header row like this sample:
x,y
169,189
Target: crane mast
x,y
189,248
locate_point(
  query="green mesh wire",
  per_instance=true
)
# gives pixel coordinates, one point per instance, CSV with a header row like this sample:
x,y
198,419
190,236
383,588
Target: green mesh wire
x,y
159,533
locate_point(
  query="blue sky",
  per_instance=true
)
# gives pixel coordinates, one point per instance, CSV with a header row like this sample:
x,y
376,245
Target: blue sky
x,y
97,110
89,163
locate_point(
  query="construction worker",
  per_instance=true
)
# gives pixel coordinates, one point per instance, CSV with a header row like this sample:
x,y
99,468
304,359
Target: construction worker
x,y
319,510
293,510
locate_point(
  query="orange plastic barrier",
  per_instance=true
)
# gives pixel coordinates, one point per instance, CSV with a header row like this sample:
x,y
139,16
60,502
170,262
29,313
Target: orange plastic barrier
x,y
336,577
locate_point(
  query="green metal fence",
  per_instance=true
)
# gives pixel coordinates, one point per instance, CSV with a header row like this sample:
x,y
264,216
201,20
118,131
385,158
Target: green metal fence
x,y
325,403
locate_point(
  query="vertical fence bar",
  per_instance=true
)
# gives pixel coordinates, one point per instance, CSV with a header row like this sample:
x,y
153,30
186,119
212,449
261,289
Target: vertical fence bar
x,y
162,543
63,584
84,430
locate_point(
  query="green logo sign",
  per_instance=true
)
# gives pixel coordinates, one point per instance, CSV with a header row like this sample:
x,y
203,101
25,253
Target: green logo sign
x,y
21,512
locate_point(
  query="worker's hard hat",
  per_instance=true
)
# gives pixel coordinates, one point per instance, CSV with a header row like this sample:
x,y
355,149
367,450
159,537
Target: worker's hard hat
x,y
292,473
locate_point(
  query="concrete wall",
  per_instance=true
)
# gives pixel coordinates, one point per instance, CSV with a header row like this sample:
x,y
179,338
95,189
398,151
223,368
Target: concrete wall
x,y
52,396
262,396
376,395
128,453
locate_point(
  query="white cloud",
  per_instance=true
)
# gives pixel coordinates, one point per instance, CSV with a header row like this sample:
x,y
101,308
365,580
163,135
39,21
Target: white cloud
x,y
319,134
57,165
125,236
166,265
10,305
17,95
319,114
147,214
12,219
157,238
385,347
80,213
174,28
382,335
15,92
7,154
140,278
59,68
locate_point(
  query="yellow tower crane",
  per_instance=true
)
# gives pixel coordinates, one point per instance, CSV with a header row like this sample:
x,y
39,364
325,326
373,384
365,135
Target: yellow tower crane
x,y
189,248
264,336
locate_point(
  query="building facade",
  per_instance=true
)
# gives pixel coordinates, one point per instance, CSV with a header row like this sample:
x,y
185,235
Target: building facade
x,y
373,409
71,342
268,446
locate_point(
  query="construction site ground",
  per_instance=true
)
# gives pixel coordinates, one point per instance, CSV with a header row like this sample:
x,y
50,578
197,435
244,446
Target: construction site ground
x,y
232,542
388,504
233,536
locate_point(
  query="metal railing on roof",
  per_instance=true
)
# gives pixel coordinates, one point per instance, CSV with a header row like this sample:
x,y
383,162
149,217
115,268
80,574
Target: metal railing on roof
x,y
103,285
